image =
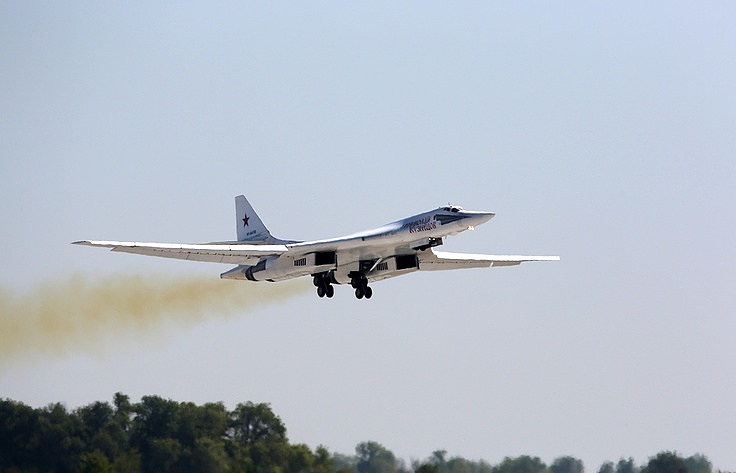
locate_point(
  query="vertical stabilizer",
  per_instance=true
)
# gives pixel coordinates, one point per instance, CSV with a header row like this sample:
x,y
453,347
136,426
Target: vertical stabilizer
x,y
249,226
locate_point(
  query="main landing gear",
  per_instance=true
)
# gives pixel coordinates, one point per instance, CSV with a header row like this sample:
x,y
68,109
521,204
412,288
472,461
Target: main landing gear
x,y
323,284
360,284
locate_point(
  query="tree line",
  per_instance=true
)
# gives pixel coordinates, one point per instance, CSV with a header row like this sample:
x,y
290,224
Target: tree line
x,y
158,435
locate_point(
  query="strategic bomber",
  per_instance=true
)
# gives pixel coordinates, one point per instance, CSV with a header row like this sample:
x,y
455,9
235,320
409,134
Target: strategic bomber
x,y
359,259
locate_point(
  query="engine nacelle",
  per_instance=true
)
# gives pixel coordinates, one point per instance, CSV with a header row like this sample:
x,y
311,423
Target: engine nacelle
x,y
277,268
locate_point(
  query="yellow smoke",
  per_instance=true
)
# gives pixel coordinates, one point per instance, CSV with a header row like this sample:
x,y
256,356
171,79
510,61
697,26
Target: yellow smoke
x,y
79,313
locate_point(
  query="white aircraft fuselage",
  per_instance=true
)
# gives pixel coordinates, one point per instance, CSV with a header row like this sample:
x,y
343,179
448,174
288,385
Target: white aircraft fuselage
x,y
397,248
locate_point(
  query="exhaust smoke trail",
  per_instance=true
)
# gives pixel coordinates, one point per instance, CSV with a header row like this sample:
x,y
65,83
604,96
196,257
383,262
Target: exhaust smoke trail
x,y
60,317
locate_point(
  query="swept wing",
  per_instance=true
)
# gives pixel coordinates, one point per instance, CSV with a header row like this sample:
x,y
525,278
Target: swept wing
x,y
441,260
235,253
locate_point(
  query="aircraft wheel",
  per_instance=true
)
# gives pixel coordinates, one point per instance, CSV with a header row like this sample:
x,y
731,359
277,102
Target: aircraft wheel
x,y
359,293
329,291
321,291
368,292
316,280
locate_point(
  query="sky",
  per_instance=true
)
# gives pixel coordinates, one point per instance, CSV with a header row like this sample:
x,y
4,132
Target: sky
x,y
603,133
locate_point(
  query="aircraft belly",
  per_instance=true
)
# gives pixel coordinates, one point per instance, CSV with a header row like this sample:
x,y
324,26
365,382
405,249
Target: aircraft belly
x,y
392,267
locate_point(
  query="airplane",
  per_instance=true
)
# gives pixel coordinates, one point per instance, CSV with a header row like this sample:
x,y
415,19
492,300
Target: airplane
x,y
394,249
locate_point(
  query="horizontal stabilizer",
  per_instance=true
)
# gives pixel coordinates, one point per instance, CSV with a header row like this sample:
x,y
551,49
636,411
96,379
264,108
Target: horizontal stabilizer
x,y
212,252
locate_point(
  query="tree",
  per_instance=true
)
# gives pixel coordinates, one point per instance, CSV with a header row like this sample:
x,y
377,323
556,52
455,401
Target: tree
x,y
457,465
344,463
607,467
267,456
522,464
626,466
567,465
155,419
300,459
19,435
374,458
101,431
698,463
439,457
160,436
128,462
253,423
60,440
666,462
95,462
162,455
193,422
208,456
427,468
153,434
123,413
323,460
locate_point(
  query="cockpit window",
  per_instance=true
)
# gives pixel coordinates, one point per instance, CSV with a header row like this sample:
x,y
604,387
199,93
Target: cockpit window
x,y
452,208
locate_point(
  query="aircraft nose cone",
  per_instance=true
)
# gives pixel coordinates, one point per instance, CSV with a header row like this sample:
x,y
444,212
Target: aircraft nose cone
x,y
486,216
480,217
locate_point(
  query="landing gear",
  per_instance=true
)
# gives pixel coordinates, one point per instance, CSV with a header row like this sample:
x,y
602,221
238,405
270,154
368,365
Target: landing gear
x,y
325,290
323,282
366,292
360,284
324,286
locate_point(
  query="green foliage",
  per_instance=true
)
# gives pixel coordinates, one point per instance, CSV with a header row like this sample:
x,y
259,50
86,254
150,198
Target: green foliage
x,y
374,458
427,468
626,466
156,435
671,462
95,462
253,423
607,467
522,464
665,462
567,465
159,435
698,463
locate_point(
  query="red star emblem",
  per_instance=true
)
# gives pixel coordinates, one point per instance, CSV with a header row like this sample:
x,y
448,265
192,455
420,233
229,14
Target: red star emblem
x,y
245,220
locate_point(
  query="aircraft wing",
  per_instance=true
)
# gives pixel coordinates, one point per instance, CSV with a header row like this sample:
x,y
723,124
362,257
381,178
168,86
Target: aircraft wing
x,y
212,252
440,260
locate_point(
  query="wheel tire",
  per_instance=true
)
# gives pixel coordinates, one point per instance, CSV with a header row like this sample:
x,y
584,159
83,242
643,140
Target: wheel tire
x,y
368,292
321,291
359,293
316,280
329,291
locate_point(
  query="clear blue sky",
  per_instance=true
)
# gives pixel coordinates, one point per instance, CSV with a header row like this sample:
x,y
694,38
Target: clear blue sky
x,y
605,134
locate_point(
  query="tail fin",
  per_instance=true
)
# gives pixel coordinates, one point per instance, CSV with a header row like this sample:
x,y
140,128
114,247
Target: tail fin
x,y
249,226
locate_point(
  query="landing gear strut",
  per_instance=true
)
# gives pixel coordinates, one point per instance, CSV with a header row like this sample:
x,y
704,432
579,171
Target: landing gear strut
x,y
323,284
